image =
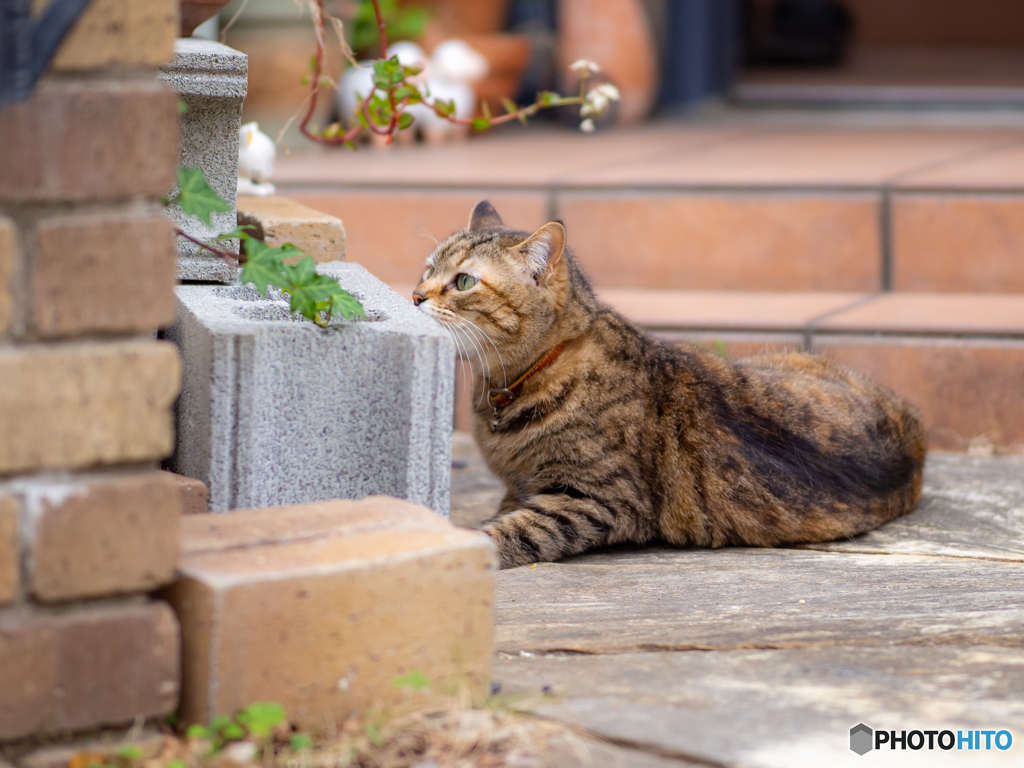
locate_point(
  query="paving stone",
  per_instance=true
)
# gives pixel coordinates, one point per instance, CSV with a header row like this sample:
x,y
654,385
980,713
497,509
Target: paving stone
x,y
658,598
99,536
319,608
118,32
10,561
784,709
279,220
149,743
76,405
106,272
8,262
88,666
89,139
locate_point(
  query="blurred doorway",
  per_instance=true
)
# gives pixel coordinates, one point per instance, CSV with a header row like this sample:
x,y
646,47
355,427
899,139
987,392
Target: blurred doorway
x,y
877,52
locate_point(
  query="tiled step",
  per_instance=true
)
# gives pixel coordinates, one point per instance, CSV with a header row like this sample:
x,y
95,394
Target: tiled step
x,y
959,358
704,207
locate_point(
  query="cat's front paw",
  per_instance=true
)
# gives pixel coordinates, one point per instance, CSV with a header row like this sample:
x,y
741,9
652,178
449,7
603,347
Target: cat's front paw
x,y
511,552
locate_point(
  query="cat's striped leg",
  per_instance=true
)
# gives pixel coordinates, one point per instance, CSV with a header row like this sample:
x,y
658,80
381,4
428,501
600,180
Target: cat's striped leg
x,y
548,527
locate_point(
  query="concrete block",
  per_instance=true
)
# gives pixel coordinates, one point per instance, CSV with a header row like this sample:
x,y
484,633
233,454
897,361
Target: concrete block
x,y
211,79
76,405
279,220
96,536
101,664
277,411
319,607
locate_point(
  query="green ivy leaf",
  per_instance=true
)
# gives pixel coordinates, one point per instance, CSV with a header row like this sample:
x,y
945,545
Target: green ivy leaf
x,y
238,233
129,752
415,680
509,105
232,732
264,267
405,120
262,717
182,107
481,123
301,741
197,731
445,108
195,196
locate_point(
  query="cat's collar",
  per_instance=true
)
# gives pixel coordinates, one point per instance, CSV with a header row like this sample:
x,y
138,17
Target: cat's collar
x,y
499,398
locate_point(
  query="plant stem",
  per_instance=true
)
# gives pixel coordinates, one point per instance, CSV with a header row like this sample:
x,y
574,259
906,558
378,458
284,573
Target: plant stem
x,y
233,259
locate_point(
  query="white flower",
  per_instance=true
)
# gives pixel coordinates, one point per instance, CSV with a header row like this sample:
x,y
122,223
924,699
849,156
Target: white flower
x,y
608,91
587,126
584,65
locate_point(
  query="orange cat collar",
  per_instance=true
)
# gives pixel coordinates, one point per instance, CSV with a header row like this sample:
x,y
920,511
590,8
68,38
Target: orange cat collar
x,y
499,398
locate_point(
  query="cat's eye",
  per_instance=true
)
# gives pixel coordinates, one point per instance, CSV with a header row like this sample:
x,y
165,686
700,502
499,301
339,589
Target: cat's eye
x,y
464,282
428,274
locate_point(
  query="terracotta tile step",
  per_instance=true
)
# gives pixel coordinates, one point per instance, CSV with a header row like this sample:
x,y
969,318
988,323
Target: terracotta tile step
x,y
959,358
738,206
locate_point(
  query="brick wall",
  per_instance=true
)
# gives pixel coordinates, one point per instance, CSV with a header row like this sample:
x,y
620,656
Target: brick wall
x,y
88,526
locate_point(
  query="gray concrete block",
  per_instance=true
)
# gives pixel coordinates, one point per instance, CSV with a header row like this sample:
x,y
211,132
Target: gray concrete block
x,y
212,80
277,411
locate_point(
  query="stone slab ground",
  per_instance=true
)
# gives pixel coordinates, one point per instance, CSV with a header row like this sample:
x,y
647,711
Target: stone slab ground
x,y
747,657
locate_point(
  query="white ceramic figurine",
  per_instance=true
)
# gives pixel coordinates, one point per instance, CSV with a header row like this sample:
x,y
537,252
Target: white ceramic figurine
x,y
256,152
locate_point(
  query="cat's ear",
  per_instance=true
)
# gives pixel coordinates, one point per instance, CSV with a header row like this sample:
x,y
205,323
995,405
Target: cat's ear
x,y
484,217
542,251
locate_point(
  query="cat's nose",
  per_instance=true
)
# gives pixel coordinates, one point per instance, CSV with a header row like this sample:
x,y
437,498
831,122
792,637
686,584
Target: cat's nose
x,y
418,296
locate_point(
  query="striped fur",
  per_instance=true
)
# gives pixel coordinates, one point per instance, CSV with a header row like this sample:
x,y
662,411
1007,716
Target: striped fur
x,y
625,438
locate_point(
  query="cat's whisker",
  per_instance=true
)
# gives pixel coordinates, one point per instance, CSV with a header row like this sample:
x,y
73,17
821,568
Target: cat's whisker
x,y
501,361
461,350
477,349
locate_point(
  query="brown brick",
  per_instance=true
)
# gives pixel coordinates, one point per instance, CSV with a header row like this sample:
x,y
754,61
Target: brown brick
x,y
77,405
280,220
89,139
101,536
8,260
9,560
102,272
118,32
733,241
957,242
195,496
392,233
319,607
965,390
86,667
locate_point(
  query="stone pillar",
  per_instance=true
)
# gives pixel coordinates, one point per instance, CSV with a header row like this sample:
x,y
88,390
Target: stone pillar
x,y
86,278
211,80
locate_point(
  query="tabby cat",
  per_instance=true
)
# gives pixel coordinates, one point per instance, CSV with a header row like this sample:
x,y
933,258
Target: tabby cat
x,y
604,434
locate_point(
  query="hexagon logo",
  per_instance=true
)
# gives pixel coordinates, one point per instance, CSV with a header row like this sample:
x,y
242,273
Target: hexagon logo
x,y
861,739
